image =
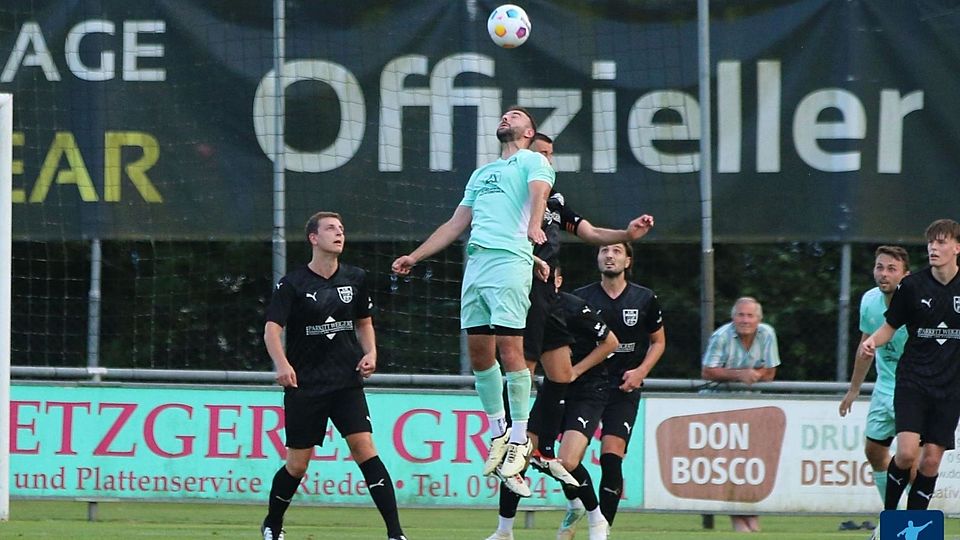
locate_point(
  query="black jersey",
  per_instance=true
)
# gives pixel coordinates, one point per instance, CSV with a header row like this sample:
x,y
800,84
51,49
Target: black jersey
x,y
931,311
319,316
587,328
556,217
632,317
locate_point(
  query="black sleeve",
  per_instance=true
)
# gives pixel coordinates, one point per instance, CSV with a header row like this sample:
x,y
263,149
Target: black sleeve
x,y
654,319
569,220
899,311
364,307
588,324
281,302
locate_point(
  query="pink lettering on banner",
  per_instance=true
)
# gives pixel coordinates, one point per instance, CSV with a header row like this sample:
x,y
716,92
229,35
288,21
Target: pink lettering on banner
x,y
478,437
273,434
399,429
16,426
126,411
66,429
213,444
150,437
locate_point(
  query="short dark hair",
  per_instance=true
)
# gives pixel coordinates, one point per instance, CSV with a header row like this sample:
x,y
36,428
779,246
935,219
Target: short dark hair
x,y
524,111
314,222
538,136
946,228
896,252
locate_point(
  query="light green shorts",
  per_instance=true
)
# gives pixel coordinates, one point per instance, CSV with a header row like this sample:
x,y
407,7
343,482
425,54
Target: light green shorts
x,y
496,288
880,419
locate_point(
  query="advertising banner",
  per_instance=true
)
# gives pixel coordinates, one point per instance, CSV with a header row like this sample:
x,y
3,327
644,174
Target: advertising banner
x,y
226,444
158,118
767,454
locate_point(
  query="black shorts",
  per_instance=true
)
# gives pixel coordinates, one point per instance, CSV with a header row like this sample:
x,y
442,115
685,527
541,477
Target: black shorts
x,y
546,328
934,419
306,415
582,413
620,414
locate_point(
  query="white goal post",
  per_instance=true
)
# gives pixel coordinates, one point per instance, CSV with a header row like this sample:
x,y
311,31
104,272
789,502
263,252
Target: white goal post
x,y
6,276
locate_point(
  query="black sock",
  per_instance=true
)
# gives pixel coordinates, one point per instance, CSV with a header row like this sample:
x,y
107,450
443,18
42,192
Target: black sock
x,y
897,480
509,501
380,487
551,396
921,492
585,491
281,493
611,485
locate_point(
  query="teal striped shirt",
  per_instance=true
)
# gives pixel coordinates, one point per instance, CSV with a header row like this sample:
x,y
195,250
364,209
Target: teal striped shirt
x,y
726,350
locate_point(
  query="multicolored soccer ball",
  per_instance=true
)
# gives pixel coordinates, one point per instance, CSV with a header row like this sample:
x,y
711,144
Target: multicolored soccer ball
x,y
509,26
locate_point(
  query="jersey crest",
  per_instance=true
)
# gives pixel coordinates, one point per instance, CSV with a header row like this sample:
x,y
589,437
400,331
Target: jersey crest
x,y
631,316
346,294
956,304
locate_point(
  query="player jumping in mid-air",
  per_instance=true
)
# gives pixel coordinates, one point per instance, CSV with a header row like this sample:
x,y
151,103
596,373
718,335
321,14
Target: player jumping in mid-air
x,y
503,205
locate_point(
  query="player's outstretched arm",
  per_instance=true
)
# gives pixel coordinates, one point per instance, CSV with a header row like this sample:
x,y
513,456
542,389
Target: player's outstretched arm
x,y
441,238
861,365
600,236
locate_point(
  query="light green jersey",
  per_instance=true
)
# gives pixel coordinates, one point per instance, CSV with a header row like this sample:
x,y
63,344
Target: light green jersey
x,y
872,308
499,197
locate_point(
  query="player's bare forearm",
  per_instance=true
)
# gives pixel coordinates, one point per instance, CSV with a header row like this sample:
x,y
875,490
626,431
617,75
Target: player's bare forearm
x,y
634,378
273,339
879,338
368,344
597,355
445,234
861,365
442,237
539,191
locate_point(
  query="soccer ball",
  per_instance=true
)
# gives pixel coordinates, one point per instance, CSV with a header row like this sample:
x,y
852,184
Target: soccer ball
x,y
509,26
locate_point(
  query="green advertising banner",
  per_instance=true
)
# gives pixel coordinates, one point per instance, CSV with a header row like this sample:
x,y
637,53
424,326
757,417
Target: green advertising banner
x,y
176,443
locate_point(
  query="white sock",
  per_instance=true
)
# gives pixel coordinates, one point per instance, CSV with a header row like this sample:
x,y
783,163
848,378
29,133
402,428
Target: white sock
x,y
506,524
575,504
595,516
498,425
518,431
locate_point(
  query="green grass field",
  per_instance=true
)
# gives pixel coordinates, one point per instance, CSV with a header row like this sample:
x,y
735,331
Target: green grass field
x,y
68,520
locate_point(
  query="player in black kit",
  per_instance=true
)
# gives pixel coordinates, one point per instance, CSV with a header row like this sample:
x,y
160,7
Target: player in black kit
x,y
545,337
593,343
325,309
926,401
633,314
